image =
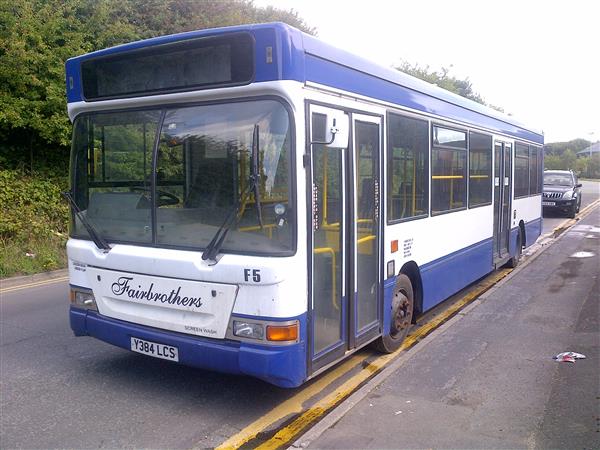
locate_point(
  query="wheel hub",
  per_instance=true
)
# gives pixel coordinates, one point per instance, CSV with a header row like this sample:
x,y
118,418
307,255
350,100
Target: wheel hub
x,y
401,313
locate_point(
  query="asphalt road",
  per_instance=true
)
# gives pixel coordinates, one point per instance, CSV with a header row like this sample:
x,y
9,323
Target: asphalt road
x,y
59,391
590,193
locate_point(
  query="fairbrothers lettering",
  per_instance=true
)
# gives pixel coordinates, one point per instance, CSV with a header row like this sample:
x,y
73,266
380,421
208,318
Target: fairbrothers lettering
x,y
122,287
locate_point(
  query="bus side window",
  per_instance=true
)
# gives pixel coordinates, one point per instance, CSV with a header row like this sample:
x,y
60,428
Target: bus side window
x,y
408,167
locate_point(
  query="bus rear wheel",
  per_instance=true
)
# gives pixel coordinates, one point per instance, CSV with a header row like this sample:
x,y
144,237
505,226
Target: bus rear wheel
x,y
514,261
402,309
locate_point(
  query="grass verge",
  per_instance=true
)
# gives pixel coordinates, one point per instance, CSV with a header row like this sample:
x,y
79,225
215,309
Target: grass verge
x,y
40,255
33,222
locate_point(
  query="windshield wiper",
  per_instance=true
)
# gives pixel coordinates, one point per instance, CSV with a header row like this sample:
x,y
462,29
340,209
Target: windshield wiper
x,y
98,240
255,174
214,246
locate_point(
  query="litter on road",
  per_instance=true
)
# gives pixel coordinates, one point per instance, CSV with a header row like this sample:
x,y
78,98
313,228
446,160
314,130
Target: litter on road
x,y
568,357
582,255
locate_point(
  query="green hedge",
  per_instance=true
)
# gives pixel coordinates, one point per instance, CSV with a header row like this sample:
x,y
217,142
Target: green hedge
x,y
33,222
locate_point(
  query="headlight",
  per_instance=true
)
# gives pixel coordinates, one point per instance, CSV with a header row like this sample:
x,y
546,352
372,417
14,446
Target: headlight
x,y
83,298
248,330
567,195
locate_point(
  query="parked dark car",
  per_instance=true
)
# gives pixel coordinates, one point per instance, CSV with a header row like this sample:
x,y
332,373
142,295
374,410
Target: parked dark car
x,y
562,192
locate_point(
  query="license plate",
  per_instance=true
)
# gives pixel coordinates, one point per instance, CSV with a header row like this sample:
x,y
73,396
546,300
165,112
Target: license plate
x,y
548,203
154,349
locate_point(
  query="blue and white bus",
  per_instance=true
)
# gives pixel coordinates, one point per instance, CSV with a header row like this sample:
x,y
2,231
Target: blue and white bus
x,y
253,201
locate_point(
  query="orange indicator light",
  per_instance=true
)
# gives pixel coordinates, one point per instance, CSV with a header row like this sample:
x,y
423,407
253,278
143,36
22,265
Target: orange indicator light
x,y
282,333
394,246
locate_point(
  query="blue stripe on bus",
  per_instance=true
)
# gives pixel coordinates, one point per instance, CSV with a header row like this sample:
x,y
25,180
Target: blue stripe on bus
x,y
282,365
300,57
533,230
451,273
447,275
332,74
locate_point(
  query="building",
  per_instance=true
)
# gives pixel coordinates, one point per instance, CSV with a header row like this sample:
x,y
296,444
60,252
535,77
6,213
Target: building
x,y
593,149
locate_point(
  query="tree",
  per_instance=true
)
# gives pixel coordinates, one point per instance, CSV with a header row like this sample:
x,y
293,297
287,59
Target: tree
x,y
443,79
593,166
38,36
558,148
568,159
565,161
553,162
581,166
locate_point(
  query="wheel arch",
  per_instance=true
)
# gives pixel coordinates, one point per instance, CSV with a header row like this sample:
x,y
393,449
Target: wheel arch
x,y
523,234
411,270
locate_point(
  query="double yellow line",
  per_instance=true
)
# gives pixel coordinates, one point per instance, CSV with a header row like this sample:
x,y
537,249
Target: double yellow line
x,y
32,285
307,418
569,222
311,415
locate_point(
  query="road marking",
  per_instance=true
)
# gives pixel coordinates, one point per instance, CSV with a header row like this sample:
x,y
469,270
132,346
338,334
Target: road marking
x,y
590,206
307,418
31,285
291,406
323,406
568,222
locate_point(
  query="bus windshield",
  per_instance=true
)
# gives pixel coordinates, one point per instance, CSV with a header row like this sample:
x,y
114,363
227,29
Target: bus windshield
x,y
170,177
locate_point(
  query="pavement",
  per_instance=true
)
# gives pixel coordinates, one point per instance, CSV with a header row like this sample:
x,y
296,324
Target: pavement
x,y
29,280
489,380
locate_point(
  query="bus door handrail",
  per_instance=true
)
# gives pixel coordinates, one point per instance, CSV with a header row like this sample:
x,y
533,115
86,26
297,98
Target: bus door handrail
x,y
331,251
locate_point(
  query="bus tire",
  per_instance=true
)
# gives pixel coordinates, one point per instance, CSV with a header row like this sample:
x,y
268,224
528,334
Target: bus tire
x,y
402,309
514,261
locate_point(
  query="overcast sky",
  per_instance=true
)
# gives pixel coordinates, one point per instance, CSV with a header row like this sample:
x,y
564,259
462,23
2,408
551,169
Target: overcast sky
x,y
539,60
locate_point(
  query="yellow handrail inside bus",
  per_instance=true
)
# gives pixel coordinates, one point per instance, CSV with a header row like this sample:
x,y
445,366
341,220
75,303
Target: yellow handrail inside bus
x,y
268,227
451,178
362,240
319,251
361,244
325,161
414,186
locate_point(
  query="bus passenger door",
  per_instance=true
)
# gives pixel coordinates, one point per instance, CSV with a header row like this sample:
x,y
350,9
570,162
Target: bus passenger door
x,y
502,198
365,235
344,264
327,201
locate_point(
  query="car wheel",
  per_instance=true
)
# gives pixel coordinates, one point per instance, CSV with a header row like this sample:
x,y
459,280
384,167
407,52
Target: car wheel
x,y
573,211
579,204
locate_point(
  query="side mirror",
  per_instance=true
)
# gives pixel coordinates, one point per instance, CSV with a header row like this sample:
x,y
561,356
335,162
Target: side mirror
x,y
338,129
578,185
331,129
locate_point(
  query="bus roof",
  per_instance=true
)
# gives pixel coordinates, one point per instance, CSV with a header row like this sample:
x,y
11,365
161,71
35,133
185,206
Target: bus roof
x,y
304,58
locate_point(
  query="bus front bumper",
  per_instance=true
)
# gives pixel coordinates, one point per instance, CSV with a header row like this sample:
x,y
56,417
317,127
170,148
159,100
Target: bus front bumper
x,y
283,366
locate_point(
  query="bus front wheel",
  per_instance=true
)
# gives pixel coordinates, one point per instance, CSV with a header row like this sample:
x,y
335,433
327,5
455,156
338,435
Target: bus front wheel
x,y
402,309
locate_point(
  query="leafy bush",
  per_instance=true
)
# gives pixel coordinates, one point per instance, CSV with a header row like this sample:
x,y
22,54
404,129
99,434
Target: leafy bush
x,y
36,38
24,258
33,222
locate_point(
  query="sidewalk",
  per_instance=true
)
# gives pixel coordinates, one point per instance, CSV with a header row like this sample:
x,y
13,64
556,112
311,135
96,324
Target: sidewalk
x,y
25,280
489,380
